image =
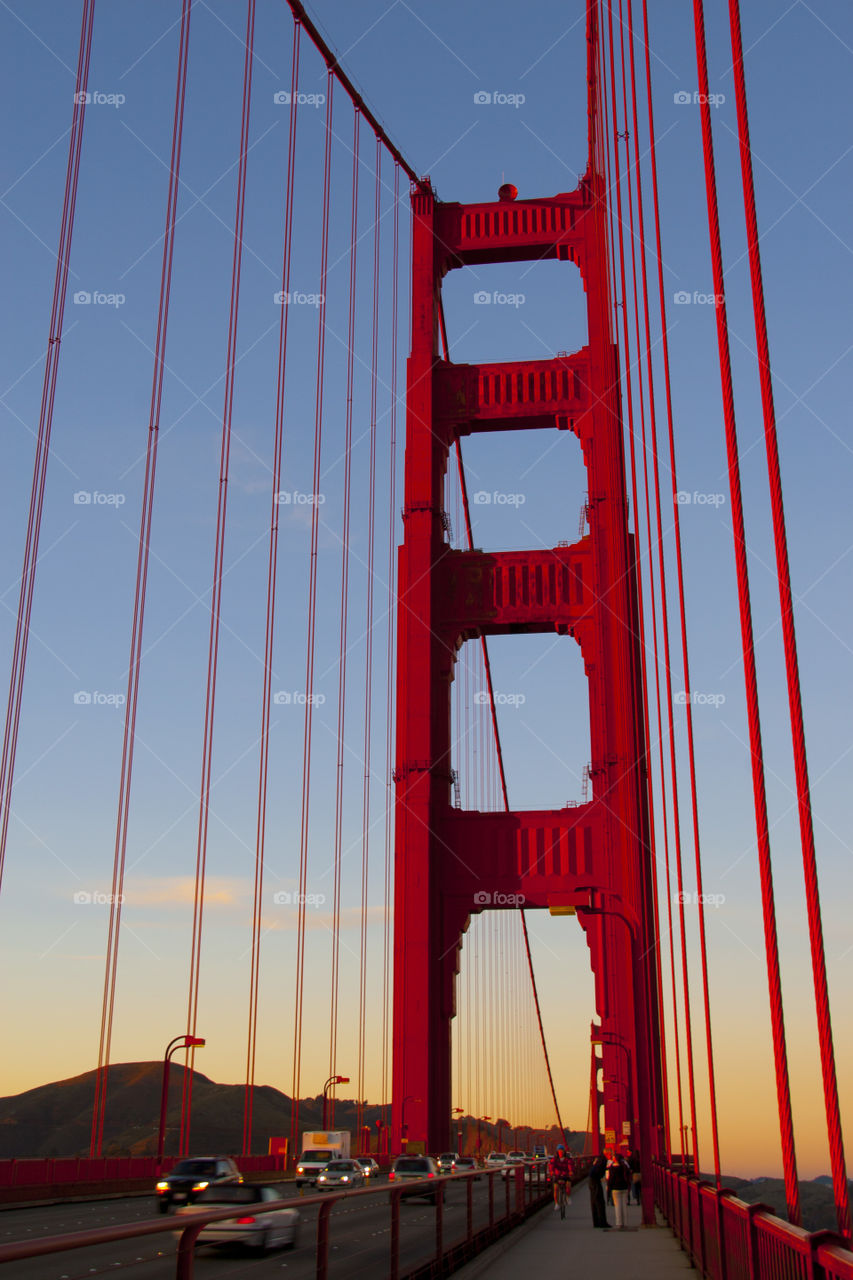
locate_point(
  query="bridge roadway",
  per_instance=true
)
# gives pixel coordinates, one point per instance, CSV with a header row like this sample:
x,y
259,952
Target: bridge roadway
x,y
359,1239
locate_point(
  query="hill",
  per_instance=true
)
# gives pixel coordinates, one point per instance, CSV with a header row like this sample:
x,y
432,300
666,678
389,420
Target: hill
x,y
55,1119
816,1202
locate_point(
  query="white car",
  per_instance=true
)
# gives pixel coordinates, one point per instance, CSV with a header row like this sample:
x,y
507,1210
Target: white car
x,y
259,1231
341,1174
495,1159
515,1160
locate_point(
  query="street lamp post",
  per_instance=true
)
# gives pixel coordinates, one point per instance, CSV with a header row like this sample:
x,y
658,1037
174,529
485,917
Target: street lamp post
x,y
331,1080
179,1042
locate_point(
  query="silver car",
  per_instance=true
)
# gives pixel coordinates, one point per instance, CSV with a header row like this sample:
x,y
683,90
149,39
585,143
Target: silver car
x,y
257,1231
415,1169
340,1175
370,1167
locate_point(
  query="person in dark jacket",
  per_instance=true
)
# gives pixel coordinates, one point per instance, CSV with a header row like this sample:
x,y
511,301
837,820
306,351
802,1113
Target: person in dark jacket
x,y
596,1194
619,1180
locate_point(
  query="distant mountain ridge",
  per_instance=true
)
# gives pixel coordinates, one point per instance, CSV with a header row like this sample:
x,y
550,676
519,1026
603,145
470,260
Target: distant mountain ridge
x,y
55,1119
816,1201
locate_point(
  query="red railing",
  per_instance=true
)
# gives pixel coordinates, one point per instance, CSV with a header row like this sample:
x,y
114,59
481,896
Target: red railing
x,y
727,1239
39,1178
523,1192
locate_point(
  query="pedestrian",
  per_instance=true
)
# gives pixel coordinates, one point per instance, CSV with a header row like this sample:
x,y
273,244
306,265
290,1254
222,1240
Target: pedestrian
x,y
636,1175
596,1193
618,1181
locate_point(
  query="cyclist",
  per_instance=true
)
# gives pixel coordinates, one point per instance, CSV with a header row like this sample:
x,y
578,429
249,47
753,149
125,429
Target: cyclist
x,y
560,1170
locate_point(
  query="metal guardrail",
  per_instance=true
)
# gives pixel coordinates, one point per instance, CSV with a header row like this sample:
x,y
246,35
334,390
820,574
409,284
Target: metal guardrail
x,y
727,1239
522,1194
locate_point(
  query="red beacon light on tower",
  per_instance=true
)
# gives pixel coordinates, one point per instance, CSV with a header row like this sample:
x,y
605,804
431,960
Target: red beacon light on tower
x,y
507,192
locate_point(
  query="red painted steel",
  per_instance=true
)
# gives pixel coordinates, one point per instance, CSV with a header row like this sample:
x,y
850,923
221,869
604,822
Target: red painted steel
x,y
595,857
458,1251
727,1239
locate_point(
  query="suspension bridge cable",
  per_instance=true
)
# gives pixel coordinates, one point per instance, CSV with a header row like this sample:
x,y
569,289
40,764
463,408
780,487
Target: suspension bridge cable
x,y
632,436
783,1091
335,69
368,660
312,619
141,587
390,641
272,583
218,565
335,931
45,427
841,1188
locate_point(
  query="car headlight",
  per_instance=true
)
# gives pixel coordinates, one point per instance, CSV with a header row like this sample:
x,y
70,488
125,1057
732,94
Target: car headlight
x,y
162,1186
345,1178
300,1169
322,1177
200,1186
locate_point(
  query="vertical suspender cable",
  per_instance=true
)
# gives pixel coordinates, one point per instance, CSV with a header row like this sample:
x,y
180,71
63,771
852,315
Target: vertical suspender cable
x,y
676,517
343,625
653,605
272,582
134,662
368,661
840,1184
783,1091
390,639
312,617
665,617
218,562
45,427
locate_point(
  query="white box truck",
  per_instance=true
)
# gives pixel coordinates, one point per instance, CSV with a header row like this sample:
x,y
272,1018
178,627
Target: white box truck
x,y
318,1148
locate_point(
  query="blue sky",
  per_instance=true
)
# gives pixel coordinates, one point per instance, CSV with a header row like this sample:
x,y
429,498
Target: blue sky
x,y
422,68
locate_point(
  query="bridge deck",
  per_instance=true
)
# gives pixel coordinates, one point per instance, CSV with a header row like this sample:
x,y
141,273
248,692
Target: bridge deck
x,y
575,1248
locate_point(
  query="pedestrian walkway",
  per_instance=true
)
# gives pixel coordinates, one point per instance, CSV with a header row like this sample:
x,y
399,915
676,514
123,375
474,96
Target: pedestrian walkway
x,y
574,1247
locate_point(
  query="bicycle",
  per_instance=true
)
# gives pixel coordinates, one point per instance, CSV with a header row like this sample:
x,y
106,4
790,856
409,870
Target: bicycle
x,y
562,1197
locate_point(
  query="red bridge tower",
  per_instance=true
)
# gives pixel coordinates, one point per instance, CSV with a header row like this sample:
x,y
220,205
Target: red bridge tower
x,y
594,858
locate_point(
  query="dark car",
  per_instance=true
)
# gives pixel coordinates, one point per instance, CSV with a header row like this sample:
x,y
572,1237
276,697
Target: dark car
x,y
190,1177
